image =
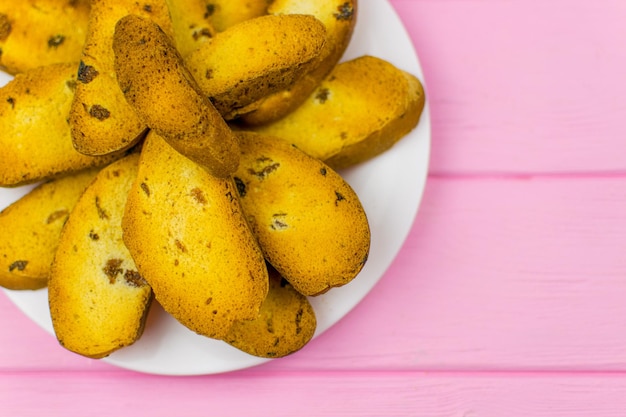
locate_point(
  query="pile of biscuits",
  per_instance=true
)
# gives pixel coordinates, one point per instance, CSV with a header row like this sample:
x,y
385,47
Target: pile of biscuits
x,y
187,151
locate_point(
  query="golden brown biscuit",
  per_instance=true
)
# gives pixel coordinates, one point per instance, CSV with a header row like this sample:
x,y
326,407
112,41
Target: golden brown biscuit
x,y
339,18
31,227
285,324
190,240
98,301
256,58
309,222
359,111
157,85
36,33
34,135
101,120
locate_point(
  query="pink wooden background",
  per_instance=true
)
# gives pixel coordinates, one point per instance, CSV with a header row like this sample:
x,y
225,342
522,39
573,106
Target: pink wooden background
x,y
509,296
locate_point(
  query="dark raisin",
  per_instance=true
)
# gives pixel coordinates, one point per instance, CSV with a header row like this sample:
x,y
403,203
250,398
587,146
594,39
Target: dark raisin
x,y
19,265
56,41
299,321
241,186
265,170
210,9
344,12
180,246
112,269
99,112
134,279
145,188
202,33
339,198
322,95
86,73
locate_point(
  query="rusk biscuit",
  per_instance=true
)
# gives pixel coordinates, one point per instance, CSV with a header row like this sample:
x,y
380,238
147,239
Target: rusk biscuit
x,y
285,324
309,222
235,73
360,110
157,85
339,18
34,134
98,301
31,227
101,120
185,230
35,33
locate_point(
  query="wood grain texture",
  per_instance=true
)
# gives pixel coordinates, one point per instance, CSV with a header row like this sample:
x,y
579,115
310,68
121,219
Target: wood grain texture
x,y
363,394
520,86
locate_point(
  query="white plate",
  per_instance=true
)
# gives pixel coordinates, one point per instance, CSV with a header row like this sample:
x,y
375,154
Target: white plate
x,y
390,187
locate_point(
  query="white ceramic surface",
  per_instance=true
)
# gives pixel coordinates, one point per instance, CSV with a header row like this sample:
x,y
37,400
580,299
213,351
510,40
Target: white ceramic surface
x,y
390,187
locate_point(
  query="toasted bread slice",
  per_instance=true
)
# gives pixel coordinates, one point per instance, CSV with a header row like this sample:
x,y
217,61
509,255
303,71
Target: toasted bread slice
x,y
34,135
256,58
101,120
98,301
339,18
190,240
157,85
35,33
359,111
286,323
31,227
309,222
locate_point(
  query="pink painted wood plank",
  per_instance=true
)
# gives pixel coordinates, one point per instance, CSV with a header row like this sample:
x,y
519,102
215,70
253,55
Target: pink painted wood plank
x,y
24,346
518,86
516,273
497,274
313,394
